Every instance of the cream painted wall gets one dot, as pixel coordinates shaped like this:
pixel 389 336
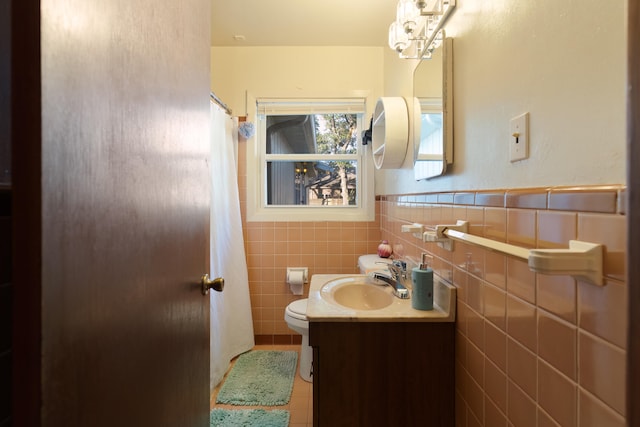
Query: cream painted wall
pixel 287 71
pixel 292 71
pixel 398 74
pixel 563 62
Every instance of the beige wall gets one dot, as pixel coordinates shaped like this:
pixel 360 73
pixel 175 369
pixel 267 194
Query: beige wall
pixel 398 74
pixel 288 71
pixel 531 349
pixel 323 247
pixel 562 62
pixel 564 65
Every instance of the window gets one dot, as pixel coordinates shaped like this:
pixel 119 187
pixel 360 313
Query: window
pixel 308 162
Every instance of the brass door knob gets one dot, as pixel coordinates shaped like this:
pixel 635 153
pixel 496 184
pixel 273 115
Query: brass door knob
pixel 216 284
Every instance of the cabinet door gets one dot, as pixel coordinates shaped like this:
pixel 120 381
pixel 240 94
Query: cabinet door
pixel 382 374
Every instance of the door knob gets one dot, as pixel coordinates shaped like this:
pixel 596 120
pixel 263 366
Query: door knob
pixel 216 284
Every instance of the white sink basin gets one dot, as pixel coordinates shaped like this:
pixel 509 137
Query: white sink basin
pixel 360 298
pixel 359 293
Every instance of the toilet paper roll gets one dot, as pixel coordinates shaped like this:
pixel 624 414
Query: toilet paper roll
pixel 296 282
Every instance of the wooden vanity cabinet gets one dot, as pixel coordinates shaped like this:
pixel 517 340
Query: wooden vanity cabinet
pixel 383 374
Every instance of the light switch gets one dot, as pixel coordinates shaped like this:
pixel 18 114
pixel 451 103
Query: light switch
pixel 519 138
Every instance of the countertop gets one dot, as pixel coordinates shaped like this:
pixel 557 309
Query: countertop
pixel 320 310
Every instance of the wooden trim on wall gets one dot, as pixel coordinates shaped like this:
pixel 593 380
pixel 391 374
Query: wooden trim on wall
pixel 633 214
pixel 26 134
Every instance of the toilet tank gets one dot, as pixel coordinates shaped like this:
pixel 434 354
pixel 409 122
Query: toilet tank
pixel 371 263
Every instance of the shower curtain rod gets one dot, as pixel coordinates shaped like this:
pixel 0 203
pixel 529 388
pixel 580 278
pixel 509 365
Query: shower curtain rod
pixel 218 101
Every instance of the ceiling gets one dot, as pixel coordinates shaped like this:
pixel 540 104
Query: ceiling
pixel 301 22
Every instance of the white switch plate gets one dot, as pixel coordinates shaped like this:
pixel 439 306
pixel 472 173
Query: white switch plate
pixel 519 138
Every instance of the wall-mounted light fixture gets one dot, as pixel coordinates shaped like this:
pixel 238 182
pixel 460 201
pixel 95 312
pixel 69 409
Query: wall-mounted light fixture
pixel 417 30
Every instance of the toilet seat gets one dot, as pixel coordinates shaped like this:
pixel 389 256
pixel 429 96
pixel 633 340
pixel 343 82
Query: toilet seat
pixel 298 309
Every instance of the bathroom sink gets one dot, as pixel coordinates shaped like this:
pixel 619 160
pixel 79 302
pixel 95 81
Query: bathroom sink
pixel 359 293
pixel 361 298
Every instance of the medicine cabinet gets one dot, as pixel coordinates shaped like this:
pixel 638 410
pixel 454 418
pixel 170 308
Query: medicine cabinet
pixel 433 135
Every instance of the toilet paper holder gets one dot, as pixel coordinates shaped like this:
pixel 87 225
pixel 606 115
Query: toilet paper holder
pixel 296 278
pixel 292 270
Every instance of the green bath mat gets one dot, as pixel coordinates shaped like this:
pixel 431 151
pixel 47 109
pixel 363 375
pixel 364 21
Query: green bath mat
pixel 248 418
pixel 260 378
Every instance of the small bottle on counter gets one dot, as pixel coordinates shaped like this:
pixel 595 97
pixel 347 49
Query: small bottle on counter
pixel 422 280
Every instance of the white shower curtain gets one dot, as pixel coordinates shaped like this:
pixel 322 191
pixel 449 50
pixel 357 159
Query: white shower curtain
pixel 231 322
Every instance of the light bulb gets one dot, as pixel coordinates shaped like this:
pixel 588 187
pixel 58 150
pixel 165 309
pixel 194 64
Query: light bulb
pixel 429 7
pixel 398 39
pixel 407 14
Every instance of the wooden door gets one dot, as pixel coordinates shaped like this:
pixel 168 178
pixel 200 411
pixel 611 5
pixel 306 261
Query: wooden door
pixel 112 212
pixel 633 215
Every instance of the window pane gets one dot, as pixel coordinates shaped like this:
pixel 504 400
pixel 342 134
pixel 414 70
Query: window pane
pixel 317 183
pixel 335 133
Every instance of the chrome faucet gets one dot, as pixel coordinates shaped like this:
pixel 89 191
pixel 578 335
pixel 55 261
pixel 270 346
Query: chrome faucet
pixel 398 270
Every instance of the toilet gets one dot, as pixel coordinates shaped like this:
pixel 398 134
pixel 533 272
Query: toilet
pixel 296 314
pixel 372 263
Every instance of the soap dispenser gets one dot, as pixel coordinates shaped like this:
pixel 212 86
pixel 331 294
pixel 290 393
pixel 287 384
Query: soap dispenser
pixel 422 280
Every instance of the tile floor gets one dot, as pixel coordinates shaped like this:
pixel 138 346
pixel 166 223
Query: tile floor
pixel 300 406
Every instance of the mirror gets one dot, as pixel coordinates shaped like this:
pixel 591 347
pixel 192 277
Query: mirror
pixel 433 88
